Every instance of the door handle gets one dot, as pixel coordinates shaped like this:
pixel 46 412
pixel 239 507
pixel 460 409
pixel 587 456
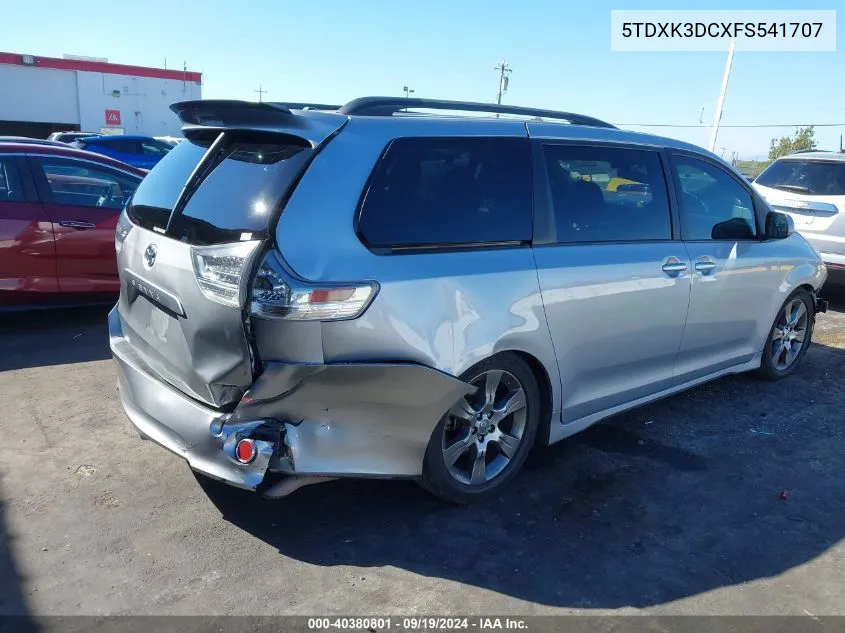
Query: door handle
pixel 77 224
pixel 704 266
pixel 674 266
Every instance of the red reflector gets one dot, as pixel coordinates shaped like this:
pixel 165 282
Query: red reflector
pixel 325 296
pixel 245 451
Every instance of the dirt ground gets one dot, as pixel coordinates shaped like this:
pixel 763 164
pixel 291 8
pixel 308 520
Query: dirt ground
pixel 728 499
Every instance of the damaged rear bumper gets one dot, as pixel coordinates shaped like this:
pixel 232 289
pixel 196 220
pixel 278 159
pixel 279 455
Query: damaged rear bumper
pixel 352 419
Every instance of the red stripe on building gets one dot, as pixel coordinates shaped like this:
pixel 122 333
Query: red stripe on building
pixel 16 59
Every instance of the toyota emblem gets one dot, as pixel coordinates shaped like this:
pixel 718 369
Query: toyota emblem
pixel 150 255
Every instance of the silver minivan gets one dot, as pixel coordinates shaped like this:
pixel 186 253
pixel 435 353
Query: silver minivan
pixel 426 289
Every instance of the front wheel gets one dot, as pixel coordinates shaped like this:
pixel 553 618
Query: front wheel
pixel 789 337
pixel 481 443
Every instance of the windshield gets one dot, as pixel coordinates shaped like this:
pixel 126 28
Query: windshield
pixel 814 177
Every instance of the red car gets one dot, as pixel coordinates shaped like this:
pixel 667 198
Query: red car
pixel 58 211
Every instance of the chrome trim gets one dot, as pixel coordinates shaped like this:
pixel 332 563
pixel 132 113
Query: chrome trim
pixel 151 291
pixel 77 224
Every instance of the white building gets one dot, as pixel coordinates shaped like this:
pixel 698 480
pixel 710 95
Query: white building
pixel 40 95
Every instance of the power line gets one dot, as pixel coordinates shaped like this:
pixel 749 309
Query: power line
pixel 747 125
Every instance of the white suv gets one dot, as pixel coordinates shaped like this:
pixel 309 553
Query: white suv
pixel 810 186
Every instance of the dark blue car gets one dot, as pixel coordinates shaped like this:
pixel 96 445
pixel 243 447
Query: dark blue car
pixel 138 151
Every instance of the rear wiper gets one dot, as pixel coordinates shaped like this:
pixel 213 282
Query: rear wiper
pixel 795 188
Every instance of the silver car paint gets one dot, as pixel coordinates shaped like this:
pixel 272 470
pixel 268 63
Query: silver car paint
pixel 178 423
pixel 600 311
pixel 365 419
pixel 202 353
pixel 487 301
pixel 613 344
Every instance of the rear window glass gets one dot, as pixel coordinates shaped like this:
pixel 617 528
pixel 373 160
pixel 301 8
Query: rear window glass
pixel 442 191
pixel 815 177
pixel 235 195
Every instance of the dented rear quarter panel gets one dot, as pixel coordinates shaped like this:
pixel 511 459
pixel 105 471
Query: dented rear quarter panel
pixel 486 301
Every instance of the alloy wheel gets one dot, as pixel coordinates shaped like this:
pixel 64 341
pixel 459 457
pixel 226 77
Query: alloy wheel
pixel 484 430
pixel 789 334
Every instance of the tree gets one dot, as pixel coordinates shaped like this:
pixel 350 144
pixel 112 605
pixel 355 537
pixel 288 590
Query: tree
pixel 804 138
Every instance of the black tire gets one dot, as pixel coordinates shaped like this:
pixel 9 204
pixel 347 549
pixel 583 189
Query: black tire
pixel 436 475
pixel 769 369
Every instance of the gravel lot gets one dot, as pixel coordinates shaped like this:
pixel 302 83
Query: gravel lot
pixel 675 508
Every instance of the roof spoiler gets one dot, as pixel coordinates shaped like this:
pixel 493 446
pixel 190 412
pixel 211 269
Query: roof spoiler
pixel 225 112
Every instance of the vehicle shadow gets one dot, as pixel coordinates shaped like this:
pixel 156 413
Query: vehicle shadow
pixel 53 337
pixel 675 499
pixel 14 610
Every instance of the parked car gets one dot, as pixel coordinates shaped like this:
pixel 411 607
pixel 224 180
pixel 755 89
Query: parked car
pixel 30 141
pixel 58 212
pixel 170 140
pixel 69 137
pixel 427 297
pixel 138 151
pixel 810 187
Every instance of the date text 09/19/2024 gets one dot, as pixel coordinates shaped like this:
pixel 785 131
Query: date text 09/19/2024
pixel 417 623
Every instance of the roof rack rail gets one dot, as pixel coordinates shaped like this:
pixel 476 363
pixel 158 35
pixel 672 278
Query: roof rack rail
pixel 388 106
pixel 306 106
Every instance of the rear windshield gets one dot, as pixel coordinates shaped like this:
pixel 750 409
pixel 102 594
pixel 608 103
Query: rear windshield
pixel 815 177
pixel 231 198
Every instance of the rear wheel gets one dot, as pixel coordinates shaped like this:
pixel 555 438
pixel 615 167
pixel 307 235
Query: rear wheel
pixel 789 337
pixel 481 443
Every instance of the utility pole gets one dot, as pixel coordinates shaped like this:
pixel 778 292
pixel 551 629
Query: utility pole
pixel 718 117
pixel 260 92
pixel 408 91
pixel 504 71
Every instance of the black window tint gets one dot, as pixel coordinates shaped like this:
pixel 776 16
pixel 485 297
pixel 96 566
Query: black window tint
pixel 713 204
pixel 81 184
pixel 440 191
pixel 815 177
pixel 125 146
pixel 238 193
pixel 607 194
pixel 11 189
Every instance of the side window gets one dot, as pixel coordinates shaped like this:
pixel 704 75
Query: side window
pixel 80 184
pixel 150 148
pixel 122 145
pixel 714 206
pixel 607 194
pixel 441 191
pixel 11 188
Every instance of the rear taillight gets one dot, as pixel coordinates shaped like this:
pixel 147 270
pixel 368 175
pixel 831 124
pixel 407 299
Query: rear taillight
pixel 219 270
pixel 278 294
pixel 124 225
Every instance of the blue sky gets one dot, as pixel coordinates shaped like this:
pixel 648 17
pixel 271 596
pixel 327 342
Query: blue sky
pixel 333 51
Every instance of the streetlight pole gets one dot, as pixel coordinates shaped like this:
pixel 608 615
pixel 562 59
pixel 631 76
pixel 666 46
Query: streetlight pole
pixel 408 91
pixel 504 71
pixel 718 117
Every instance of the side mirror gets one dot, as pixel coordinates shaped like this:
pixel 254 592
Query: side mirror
pixel 779 226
